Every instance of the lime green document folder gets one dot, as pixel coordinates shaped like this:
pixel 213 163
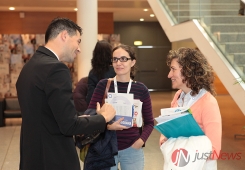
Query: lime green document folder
pixel 185 126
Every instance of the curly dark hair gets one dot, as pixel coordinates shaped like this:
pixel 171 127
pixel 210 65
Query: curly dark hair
pixel 195 69
pixel 101 60
pixel 131 53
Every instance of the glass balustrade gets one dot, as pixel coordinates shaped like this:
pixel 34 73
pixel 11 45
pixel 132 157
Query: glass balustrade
pixel 220 20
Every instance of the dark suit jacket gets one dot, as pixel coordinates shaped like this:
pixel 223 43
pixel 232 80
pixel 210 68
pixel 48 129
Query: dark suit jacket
pixel 48 116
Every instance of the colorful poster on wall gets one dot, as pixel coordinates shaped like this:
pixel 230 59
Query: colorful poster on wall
pixel 4 90
pixel 13 78
pixel 15 58
pixel 12 90
pixel 4 57
pixel 4 68
pixel 40 39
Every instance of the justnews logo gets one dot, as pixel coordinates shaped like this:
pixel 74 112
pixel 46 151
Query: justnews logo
pixel 181 157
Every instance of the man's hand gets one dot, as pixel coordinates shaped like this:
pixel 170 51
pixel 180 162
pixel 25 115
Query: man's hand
pixel 106 110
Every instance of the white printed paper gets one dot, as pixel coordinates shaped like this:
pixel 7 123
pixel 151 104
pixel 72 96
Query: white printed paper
pixel 123 104
pixel 137 118
pixel 171 111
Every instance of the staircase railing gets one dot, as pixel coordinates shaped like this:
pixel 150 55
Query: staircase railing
pixel 220 41
pixel 220 20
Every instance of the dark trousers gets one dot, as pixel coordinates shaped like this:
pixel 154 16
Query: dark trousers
pixel 241 10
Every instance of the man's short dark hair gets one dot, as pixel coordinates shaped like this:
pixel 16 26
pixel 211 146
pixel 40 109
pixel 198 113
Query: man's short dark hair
pixel 60 24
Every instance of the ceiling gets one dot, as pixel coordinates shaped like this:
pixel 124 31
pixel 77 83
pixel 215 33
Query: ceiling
pixel 123 10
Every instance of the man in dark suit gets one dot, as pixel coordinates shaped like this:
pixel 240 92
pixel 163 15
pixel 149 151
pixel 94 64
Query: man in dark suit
pixel 49 119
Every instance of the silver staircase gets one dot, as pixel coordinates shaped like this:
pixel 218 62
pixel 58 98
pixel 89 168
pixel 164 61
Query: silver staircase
pixel 216 29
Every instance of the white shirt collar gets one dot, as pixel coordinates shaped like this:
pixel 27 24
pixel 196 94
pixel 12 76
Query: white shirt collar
pixel 184 99
pixel 54 53
pixel 188 99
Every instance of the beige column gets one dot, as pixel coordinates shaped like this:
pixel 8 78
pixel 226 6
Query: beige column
pixel 87 19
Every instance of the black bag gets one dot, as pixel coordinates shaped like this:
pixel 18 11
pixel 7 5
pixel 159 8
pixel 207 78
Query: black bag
pixel 82 140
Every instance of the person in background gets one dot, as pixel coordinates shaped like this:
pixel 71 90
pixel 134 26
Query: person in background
pixel 242 8
pixel 101 66
pixel 79 95
pixel 129 140
pixel 191 73
pixel 49 118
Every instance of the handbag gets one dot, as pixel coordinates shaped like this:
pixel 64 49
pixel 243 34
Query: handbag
pixel 83 141
pixel 181 153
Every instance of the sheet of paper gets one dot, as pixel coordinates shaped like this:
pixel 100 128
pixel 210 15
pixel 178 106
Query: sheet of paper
pixel 171 111
pixel 163 119
pixel 122 103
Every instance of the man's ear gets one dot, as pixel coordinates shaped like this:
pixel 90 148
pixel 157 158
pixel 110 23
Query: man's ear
pixel 63 35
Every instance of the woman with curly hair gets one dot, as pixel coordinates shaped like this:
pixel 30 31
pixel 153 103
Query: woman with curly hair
pixel 191 73
pixel 101 66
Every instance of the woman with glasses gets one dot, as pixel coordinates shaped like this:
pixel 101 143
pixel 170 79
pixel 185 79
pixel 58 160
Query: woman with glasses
pixel 130 140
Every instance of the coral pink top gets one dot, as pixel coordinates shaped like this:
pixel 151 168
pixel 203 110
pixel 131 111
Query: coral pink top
pixel 207 114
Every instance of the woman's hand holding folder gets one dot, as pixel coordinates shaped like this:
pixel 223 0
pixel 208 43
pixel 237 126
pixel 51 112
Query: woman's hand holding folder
pixel 162 139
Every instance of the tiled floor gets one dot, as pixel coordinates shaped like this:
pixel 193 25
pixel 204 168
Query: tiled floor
pixel 232 118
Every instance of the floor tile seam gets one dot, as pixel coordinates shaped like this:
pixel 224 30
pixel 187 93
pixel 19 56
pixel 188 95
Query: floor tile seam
pixel 8 148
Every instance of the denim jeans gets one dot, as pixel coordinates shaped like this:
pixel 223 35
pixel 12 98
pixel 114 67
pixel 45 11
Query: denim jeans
pixel 130 159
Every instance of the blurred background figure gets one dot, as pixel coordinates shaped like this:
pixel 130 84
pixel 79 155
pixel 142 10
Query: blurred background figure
pixel 242 7
pixel 101 66
pixel 79 95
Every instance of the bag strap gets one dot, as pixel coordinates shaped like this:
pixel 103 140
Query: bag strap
pixel 106 91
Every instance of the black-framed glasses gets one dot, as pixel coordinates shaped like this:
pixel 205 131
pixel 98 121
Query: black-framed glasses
pixel 121 59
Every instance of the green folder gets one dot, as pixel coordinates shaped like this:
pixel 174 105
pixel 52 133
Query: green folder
pixel 185 126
